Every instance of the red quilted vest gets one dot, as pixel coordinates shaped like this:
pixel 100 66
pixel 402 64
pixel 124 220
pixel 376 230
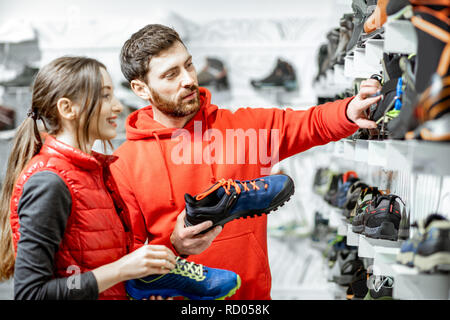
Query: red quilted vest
pixel 98 230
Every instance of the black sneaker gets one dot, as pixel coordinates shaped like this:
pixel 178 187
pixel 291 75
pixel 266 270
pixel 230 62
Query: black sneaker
pixel 25 79
pixel 231 199
pixel 7 118
pixel 283 76
pixel 214 74
pixel 364 198
pixel 382 217
pixel 380 288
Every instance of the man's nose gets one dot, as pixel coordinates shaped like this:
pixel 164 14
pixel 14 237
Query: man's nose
pixel 188 79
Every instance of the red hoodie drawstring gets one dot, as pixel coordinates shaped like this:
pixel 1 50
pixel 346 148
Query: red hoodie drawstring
pixel 172 200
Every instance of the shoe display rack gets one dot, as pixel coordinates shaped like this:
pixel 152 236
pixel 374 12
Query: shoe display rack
pixel 416 170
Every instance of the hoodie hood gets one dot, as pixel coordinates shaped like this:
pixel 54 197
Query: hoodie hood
pixel 141 125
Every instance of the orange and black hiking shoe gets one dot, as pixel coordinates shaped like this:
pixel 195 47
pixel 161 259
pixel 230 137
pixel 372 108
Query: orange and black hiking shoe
pixel 231 199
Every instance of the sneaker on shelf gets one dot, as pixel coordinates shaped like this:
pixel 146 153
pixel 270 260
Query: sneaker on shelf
pixel 433 112
pixel 187 279
pixel 230 199
pixel 348 179
pixel 382 216
pixel 359 9
pixel 282 76
pixel 433 251
pixel 24 79
pixel 353 194
pixel 357 289
pixel 380 288
pixel 409 247
pixel 214 74
pixel 331 194
pixel 348 271
pixel 364 198
pixel 322 180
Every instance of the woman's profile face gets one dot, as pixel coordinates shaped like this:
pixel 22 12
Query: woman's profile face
pixel 104 125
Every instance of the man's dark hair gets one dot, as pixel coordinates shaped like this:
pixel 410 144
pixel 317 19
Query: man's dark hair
pixel 142 46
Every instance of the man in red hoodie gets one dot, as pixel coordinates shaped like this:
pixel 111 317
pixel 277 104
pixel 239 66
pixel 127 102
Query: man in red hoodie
pixel 182 143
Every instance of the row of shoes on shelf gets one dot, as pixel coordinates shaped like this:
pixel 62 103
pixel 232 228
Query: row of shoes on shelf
pixel 283 76
pixel 353 273
pixel 382 215
pixel 415 86
pixel 372 212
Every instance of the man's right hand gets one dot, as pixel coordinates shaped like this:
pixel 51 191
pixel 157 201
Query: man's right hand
pixel 189 240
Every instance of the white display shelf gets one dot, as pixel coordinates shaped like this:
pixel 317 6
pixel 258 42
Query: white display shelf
pixel 369 247
pixel 363 67
pixel 400 37
pixel 410 284
pixel 374 52
pixel 411 156
pixel 352 237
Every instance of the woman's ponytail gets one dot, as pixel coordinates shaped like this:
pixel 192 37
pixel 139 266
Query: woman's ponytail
pixel 27 143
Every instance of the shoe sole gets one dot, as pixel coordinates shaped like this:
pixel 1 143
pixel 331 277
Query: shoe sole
pixel 385 231
pixel 279 201
pixel 406 258
pixel 439 261
pixel 140 294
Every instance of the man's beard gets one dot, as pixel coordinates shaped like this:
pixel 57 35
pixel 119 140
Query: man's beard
pixel 178 108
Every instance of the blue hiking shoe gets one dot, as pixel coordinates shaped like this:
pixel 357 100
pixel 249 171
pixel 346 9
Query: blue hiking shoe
pixel 187 279
pixel 231 199
pixel 409 247
pixel 433 251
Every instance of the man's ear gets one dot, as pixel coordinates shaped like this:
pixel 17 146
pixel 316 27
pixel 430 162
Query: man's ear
pixel 141 89
pixel 67 109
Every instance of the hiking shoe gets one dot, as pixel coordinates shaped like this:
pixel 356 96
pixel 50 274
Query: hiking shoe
pixel 348 179
pixel 382 217
pixel 231 199
pixel 409 248
pixel 380 288
pixel 348 271
pixel 283 76
pixel 331 194
pixel 214 74
pixel 25 79
pixel 322 180
pixel 365 196
pixel 357 289
pixel 353 194
pixel 187 279
pixel 433 251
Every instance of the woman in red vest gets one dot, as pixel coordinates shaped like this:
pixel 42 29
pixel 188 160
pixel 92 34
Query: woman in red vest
pixel 65 232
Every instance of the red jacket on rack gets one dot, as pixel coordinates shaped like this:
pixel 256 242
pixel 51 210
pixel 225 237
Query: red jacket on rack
pixel 96 232
pixel 158 165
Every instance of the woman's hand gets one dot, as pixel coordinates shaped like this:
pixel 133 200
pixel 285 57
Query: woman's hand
pixel 148 259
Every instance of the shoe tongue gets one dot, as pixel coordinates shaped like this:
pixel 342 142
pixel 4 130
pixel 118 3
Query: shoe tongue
pixel 432 217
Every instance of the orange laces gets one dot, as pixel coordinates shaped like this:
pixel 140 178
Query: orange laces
pixel 227 184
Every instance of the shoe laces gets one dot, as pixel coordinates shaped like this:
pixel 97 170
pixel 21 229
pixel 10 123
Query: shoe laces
pixel 189 269
pixel 227 184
